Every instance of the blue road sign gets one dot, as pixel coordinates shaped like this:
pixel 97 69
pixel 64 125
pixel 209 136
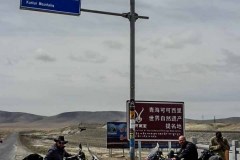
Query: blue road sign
pixel 71 7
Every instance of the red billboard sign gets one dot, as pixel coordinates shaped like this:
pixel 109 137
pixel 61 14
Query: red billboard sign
pixel 159 120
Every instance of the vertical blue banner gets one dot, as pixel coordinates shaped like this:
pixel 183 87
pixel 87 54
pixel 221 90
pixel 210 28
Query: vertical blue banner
pixel 71 7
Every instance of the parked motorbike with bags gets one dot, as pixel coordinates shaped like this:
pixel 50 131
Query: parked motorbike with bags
pixel 209 155
pixel 155 154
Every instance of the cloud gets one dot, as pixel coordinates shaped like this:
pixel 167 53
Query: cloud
pixel 178 55
pixel 209 110
pixel 141 49
pixel 97 78
pixel 120 73
pixel 10 61
pixel 113 44
pixel 45 58
pixel 5 79
pixel 89 57
pixel 230 63
pixel 174 11
pixel 231 59
pixel 179 40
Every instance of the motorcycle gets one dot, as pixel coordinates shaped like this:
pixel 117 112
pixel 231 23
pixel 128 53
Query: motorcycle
pixel 155 154
pixel 207 154
pixel 79 156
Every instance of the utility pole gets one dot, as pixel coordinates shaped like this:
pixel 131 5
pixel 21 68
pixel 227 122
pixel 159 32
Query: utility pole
pixel 132 18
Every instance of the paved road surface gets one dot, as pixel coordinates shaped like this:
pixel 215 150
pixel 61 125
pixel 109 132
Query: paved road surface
pixel 11 148
pixel 8 147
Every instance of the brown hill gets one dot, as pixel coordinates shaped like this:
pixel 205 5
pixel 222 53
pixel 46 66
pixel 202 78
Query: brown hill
pixel 19 119
pixel 232 120
pixel 15 117
pixel 86 117
pixel 26 120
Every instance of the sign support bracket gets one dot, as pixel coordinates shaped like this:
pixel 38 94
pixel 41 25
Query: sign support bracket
pixel 125 15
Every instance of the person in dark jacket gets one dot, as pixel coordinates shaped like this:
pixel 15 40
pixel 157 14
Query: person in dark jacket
pixel 57 151
pixel 188 150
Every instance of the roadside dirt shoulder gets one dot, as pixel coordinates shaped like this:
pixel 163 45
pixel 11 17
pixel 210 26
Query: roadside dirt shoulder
pixel 21 151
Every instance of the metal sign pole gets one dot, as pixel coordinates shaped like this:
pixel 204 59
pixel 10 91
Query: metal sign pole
pixel 132 79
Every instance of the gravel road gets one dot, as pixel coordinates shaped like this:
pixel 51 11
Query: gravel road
pixel 11 148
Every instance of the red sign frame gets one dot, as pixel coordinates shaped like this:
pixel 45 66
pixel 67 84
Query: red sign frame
pixel 159 120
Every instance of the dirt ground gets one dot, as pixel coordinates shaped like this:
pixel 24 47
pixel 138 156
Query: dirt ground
pixel 93 139
pixel 21 152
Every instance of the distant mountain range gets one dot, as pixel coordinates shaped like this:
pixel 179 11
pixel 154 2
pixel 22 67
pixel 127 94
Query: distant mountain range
pixel 26 119
pixel 67 117
pixel 231 120
pixel 15 117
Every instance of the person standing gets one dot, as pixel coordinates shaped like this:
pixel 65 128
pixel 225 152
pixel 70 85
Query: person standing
pixel 219 145
pixel 188 150
pixel 57 151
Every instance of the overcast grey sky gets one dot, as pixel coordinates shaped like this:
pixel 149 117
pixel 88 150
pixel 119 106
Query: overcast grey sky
pixel 187 51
